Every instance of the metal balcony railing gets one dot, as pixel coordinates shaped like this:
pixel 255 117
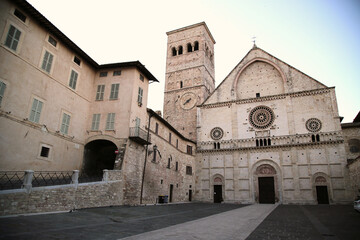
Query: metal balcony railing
pixel 139 135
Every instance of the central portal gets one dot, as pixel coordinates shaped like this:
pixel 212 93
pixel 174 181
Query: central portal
pixel 266 190
pixel 217 193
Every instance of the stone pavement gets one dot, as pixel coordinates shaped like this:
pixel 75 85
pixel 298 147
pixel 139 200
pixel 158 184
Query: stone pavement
pixel 235 224
pixel 190 221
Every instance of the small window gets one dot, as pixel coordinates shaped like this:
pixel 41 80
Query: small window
pixel 140 96
pixel 170 138
pixel 117 73
pixel 73 79
pixel 169 162
pixel 176 166
pixel 110 121
pixel 189 149
pixel 181 84
pixel 95 122
pixel 47 61
pixel 156 127
pixel 2 91
pixel 13 38
pixel 180 50
pixel 45 151
pixel 100 92
pixel 20 15
pixel 177 143
pixel 173 51
pixel 77 60
pixel 65 124
pixel 188 170
pixel 103 74
pixel 196 46
pixel 35 111
pixel 52 41
pixel 257 95
pixel 189 47
pixel 141 77
pixel 114 91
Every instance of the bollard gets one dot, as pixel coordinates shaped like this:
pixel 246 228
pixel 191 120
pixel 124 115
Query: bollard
pixel 28 180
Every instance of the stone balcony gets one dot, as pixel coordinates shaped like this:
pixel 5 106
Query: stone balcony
pixel 139 135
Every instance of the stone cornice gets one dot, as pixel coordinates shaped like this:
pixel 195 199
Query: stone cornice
pixel 269 98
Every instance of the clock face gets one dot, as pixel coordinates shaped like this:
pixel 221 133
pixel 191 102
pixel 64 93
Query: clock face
pixel 188 100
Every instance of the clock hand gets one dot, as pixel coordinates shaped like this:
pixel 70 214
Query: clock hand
pixel 187 101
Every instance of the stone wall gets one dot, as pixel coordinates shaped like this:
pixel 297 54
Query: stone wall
pixel 63 197
pixel 354 172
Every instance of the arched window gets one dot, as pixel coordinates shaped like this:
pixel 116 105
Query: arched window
pixel 196 46
pixel 174 51
pixel 214 145
pixel 180 50
pixel 317 138
pixel 257 142
pixel 181 84
pixel 269 142
pixel 265 142
pixel 261 142
pixel 218 145
pixel 189 47
pixel 313 138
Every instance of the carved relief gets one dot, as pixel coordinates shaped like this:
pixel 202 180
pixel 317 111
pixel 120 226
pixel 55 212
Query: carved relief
pixel 265 169
pixel 320 179
pixel 217 180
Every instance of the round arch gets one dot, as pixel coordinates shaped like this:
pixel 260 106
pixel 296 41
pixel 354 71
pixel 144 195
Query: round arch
pixel 258 59
pixel 99 154
pixel 266 168
pixel 321 182
pixel 217 188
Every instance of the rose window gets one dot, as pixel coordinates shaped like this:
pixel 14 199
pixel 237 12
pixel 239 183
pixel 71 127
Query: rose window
pixel 261 117
pixel 217 133
pixel 313 125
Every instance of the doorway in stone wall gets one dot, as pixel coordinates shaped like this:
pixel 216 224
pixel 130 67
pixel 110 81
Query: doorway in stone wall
pixel 266 190
pixel 171 193
pixel 322 195
pixel 190 195
pixel 217 193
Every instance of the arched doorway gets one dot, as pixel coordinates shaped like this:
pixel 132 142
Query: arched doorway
pixel 218 188
pixel 321 187
pixel 266 183
pixel 99 155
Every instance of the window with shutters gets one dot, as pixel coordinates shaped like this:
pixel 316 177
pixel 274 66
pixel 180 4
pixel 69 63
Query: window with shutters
pixel 47 61
pixel 100 92
pixel 2 91
pixel 110 121
pixel 140 96
pixel 114 91
pixel 13 38
pixel 95 122
pixel 73 79
pixel 65 123
pixel 35 111
pixel 189 149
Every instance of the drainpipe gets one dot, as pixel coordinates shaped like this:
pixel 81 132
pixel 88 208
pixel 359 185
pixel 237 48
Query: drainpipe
pixel 146 153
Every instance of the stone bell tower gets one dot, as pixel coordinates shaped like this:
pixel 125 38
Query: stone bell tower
pixel 190 75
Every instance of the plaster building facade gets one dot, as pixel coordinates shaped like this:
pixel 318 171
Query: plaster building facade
pixel 61 111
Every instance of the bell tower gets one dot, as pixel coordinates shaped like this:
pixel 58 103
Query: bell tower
pixel 190 75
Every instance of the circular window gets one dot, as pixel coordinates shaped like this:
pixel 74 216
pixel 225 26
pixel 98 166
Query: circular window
pixel 313 125
pixel 261 117
pixel 216 133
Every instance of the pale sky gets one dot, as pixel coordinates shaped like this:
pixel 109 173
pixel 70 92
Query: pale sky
pixel 318 37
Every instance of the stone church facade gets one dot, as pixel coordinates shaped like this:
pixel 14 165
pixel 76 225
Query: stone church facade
pixel 268 133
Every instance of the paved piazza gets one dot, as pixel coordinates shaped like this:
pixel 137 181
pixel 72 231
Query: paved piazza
pixel 189 221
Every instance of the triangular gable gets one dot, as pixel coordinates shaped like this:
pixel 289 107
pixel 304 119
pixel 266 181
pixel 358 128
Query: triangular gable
pixel 293 79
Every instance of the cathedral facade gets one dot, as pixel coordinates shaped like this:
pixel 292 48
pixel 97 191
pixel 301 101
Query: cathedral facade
pixel 268 133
